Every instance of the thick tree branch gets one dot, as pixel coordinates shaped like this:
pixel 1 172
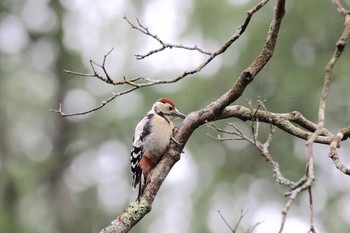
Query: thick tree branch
pixel 287 122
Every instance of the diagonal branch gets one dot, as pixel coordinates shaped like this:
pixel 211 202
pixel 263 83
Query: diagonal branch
pixel 249 74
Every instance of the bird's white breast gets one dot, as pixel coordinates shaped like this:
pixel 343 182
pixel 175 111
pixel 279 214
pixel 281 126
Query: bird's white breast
pixel 159 138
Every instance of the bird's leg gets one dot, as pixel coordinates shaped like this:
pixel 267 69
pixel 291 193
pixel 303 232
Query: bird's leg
pixel 175 129
pixel 177 142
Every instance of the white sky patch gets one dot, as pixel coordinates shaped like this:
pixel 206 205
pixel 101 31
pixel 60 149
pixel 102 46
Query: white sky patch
pixel 304 52
pixel 13 34
pixel 38 16
pixel 167 20
pixel 167 17
pixel 110 164
pixel 178 187
pixel 183 172
pixel 87 24
pixel 78 100
pixel 270 214
pixel 130 104
pixel 238 2
pixel 103 167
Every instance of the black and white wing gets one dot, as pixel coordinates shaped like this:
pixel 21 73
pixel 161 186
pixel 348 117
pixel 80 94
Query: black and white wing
pixel 141 132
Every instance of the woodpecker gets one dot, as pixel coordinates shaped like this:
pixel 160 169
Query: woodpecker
pixel 151 138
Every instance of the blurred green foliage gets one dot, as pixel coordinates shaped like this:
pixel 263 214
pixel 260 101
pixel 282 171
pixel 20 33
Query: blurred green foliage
pixel 72 174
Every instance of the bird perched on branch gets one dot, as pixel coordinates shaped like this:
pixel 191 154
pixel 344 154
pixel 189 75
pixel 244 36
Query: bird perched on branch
pixel 151 138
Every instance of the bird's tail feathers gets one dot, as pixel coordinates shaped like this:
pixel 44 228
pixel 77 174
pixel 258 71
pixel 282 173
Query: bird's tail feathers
pixel 136 178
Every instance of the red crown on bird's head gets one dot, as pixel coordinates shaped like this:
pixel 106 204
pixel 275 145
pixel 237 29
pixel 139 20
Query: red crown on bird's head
pixel 166 100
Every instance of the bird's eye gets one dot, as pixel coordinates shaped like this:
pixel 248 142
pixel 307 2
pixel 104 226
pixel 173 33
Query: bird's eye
pixel 170 108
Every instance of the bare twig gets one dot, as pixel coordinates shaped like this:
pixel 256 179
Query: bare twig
pixel 339 7
pixel 340 45
pixel 311 207
pixel 285 212
pixel 163 44
pixel 233 230
pixel 333 150
pixel 103 103
pixel 107 78
pixel 251 229
pixel 262 147
pixel 238 135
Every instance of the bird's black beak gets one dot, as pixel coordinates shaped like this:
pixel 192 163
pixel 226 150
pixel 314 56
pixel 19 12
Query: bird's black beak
pixel 179 114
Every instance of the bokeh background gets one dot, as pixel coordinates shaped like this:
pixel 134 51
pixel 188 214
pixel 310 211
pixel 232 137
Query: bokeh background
pixel 72 174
